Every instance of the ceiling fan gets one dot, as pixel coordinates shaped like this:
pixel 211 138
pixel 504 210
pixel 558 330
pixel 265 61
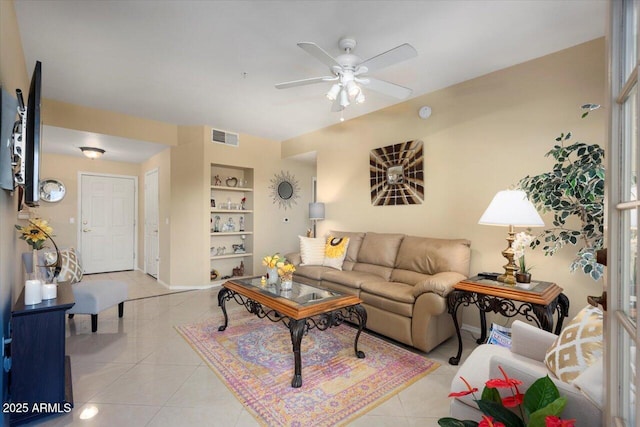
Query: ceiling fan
pixel 349 72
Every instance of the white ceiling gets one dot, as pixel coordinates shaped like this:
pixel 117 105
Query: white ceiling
pixel 184 62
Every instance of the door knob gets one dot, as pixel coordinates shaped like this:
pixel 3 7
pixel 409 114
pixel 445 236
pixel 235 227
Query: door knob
pixel 86 230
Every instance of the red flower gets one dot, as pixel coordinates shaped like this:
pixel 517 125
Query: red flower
pixel 513 401
pixel 553 421
pixel 503 383
pixel 488 422
pixel 470 390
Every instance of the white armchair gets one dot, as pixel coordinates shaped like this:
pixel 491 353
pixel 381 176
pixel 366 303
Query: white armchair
pixel 525 361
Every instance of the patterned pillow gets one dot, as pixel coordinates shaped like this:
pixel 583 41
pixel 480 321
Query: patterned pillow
pixel 71 271
pixel 311 250
pixel 578 346
pixel 335 251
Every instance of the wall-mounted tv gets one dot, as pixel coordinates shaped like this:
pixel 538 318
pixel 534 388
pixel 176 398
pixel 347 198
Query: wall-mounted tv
pixel 32 141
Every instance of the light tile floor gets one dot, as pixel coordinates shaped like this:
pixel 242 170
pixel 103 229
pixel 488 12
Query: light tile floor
pixel 138 371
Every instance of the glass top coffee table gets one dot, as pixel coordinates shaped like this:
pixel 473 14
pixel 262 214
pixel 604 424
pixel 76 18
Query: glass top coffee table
pixel 301 308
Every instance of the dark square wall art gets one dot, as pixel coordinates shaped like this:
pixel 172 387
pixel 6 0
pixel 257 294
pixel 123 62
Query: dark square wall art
pixel 397 174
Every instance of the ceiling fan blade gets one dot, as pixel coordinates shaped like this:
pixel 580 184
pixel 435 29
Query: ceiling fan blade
pixel 388 88
pixel 319 53
pixel 303 82
pixel 397 54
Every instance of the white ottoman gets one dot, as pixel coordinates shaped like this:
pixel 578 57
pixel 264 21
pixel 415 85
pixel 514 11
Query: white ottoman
pixel 93 296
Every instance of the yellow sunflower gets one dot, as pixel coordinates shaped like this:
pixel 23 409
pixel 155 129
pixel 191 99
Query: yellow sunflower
pixel 35 233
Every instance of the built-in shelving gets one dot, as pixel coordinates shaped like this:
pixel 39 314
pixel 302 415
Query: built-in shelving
pixel 240 198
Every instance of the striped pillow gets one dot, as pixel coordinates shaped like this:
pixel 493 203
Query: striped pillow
pixel 311 250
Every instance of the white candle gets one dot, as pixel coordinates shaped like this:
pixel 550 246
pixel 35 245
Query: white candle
pixel 32 292
pixel 49 291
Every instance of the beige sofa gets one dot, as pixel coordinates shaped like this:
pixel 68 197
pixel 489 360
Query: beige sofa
pixel 402 280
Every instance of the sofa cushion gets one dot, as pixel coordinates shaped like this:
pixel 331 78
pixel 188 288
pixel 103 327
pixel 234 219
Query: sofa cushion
pixel 351 279
pixel 431 256
pixel 578 346
pixel 406 276
pixel 441 284
pixel 311 250
pixel 355 241
pixel 380 249
pixel 335 251
pixel 391 290
pixel 314 272
pixel 380 271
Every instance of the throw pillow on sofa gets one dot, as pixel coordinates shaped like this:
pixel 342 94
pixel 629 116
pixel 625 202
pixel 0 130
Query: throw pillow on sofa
pixel 578 346
pixel 335 252
pixel 311 250
pixel 71 268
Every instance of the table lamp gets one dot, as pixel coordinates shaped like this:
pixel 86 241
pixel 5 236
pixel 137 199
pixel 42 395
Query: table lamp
pixel 511 208
pixel 316 213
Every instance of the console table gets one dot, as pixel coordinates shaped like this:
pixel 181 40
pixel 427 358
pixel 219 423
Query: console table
pixel 40 370
pixel 537 304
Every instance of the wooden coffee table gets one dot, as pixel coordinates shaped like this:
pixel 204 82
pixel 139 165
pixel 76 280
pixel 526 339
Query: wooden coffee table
pixel 301 308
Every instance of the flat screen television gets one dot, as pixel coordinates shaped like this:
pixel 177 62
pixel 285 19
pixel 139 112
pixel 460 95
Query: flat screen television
pixel 32 140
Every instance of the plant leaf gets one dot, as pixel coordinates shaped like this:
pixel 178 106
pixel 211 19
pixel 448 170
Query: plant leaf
pixel 537 419
pixel 452 422
pixel 490 394
pixel 500 413
pixel 541 393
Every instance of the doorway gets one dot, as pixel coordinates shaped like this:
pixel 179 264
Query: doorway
pixel 151 219
pixel 107 222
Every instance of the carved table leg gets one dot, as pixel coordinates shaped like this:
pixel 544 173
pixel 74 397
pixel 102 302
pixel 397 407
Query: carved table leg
pixel 453 304
pixel 361 313
pixel 563 304
pixel 222 298
pixel 296 328
pixel 483 326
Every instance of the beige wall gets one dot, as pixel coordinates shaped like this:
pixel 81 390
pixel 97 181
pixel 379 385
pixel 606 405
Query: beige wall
pixel 484 135
pixel 13 74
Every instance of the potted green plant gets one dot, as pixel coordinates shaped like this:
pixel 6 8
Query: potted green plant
pixel 573 188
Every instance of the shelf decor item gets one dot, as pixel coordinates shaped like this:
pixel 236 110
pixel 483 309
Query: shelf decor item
pixel 36 233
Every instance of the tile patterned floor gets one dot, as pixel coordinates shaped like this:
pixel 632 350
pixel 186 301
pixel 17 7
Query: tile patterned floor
pixel 137 371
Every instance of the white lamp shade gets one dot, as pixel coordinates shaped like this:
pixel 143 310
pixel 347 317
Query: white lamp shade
pixel 316 211
pixel 511 207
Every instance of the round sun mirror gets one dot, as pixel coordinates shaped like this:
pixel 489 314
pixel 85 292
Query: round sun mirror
pixel 285 190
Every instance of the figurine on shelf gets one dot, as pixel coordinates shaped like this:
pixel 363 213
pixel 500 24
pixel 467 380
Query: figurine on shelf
pixel 228 202
pixel 214 274
pixel 213 203
pixel 229 226
pixel 221 250
pixel 216 224
pixel 217 181
pixel 238 271
pixel 243 202
pixel 241 224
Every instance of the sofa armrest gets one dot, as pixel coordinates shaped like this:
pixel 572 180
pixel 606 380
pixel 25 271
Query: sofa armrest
pixel 294 258
pixel 530 341
pixel 439 283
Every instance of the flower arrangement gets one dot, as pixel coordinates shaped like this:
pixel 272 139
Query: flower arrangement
pixel 522 241
pixel 285 271
pixel 35 233
pixel 271 261
pixel 540 406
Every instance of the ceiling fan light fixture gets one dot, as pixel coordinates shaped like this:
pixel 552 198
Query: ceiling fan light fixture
pixel 360 98
pixel 344 98
pixel 92 152
pixel 353 89
pixel 333 92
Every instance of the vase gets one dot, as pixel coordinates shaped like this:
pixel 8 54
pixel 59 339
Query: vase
pixel 272 275
pixel 286 282
pixel 523 277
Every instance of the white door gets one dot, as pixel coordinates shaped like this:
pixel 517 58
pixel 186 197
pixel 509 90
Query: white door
pixel 623 172
pixel 151 218
pixel 107 224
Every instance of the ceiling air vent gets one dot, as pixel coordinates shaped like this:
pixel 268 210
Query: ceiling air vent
pixel 224 137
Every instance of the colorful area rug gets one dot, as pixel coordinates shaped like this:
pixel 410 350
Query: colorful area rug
pixel 255 360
